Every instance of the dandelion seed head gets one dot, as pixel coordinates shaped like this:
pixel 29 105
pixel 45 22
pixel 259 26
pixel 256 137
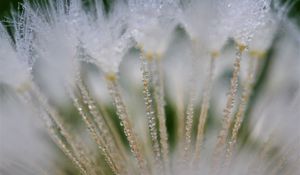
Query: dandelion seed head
pixel 188 113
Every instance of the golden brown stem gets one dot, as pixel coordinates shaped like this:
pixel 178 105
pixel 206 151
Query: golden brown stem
pixel 125 121
pixel 189 124
pixel 147 77
pixel 95 133
pixel 228 111
pixel 241 110
pixel 160 105
pixel 118 155
pixel 204 107
pixel 56 128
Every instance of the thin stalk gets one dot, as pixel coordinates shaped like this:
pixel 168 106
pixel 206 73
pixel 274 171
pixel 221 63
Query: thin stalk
pixel 263 73
pixel 190 110
pixel 117 137
pixel 122 113
pixel 205 106
pixel 228 111
pixel 114 132
pixel 189 124
pixel 67 151
pixel 96 134
pixel 64 146
pixel 147 77
pixel 55 127
pixel 161 115
pixel 180 116
pixel 99 121
pixel 247 90
pixel 87 158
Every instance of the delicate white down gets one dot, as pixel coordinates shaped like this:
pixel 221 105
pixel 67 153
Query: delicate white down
pixel 56 43
pixel 24 149
pixel 203 22
pixel 265 34
pixel 12 71
pixel 242 18
pixel 105 38
pixel 152 23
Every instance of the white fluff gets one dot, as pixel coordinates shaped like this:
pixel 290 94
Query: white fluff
pixel 242 18
pixel 13 71
pixel 152 23
pixel 105 38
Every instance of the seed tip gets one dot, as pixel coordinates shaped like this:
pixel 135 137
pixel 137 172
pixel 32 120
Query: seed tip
pixel 111 76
